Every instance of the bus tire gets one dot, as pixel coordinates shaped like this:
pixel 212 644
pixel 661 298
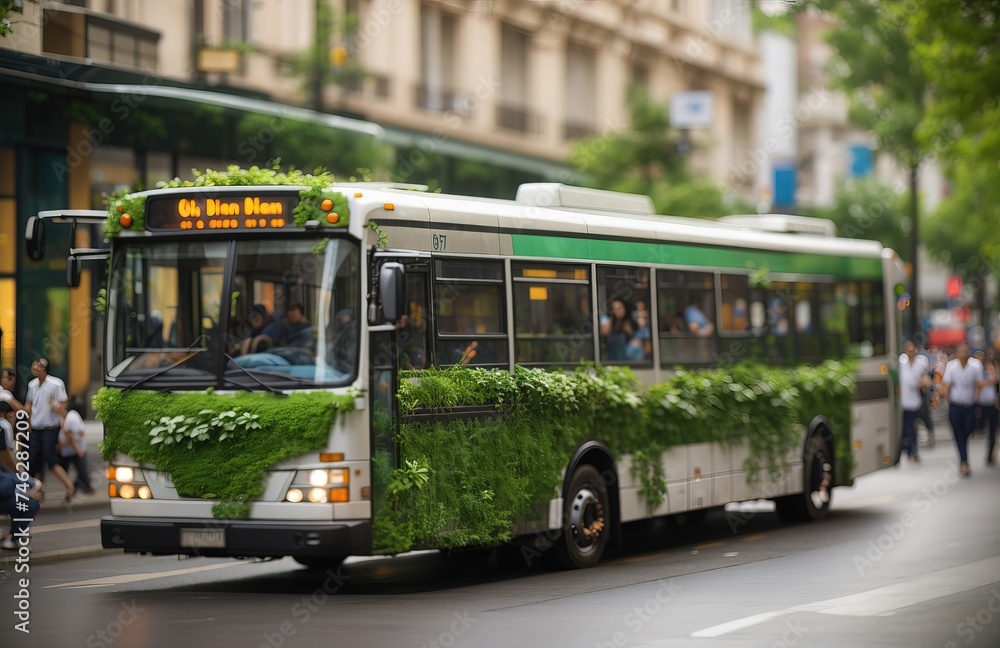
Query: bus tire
pixel 813 503
pixel 586 521
pixel 320 563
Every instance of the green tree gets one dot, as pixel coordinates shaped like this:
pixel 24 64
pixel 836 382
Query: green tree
pixel 644 158
pixel 266 139
pixel 328 59
pixel 867 209
pixel 957 45
pixel 875 64
pixel 6 8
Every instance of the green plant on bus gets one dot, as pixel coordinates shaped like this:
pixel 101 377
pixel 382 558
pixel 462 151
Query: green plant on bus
pixel 234 438
pixel 519 458
pixel 414 475
pixel 382 238
pixel 206 425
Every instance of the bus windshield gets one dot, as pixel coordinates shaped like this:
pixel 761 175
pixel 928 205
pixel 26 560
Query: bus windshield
pixel 287 318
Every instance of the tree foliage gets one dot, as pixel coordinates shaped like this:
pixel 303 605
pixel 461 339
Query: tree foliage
pixel 956 43
pixel 645 158
pixel 6 8
pixel 866 209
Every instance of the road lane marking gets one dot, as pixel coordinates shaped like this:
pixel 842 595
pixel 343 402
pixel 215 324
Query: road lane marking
pixel 863 503
pixel 883 600
pixel 65 526
pixel 738 624
pixel 135 578
pixel 923 588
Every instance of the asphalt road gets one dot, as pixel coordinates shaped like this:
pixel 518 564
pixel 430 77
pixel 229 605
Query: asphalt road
pixel 908 557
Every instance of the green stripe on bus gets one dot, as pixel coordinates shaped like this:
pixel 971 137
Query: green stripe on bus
pixel 558 247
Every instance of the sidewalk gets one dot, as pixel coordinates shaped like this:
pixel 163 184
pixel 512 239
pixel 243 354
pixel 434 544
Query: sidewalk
pixel 64 530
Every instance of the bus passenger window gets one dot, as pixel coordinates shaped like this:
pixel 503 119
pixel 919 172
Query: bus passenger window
pixel 553 320
pixel 686 310
pixel 471 325
pixel 624 317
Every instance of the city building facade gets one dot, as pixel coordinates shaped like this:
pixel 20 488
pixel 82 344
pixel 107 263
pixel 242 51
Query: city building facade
pixel 104 94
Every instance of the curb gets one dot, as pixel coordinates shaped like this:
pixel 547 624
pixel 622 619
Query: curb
pixel 56 555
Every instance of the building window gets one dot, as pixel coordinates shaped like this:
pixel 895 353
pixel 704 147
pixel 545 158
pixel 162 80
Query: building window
pixel 581 92
pixel 513 111
pixel 436 90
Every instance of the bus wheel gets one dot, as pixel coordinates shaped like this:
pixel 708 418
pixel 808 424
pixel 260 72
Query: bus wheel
pixel 586 521
pixel 320 562
pixel 817 476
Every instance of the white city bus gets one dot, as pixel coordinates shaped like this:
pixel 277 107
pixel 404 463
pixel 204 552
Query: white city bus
pixel 256 336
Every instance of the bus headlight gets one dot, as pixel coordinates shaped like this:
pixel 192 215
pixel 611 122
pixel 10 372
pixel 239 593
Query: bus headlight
pixel 318 495
pixel 124 474
pixel 318 477
pixel 127 491
pixel 144 492
pixel 293 495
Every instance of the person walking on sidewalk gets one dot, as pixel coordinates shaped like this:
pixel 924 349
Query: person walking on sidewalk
pixel 72 445
pixel 45 424
pixel 8 463
pixel 961 383
pixel 914 370
pixel 989 414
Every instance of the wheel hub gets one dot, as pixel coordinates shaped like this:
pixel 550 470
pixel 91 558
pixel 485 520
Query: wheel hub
pixel 586 518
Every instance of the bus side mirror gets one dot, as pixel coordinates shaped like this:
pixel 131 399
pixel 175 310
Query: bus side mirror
pixel 34 236
pixel 392 288
pixel 73 268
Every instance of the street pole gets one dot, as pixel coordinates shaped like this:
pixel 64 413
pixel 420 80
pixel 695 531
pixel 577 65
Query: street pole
pixel 319 52
pixel 914 244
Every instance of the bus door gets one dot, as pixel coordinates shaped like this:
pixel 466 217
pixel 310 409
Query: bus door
pixel 405 346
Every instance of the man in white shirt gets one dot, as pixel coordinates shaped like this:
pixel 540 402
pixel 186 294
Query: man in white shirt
pixel 962 379
pixel 914 375
pixel 45 424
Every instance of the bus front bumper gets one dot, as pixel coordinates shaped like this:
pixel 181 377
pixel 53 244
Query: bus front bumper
pixel 236 538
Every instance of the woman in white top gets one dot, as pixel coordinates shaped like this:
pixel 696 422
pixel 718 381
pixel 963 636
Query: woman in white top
pixel 962 380
pixel 72 445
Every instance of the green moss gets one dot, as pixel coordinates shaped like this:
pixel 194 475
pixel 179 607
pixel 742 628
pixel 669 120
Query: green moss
pixel 484 475
pixel 232 471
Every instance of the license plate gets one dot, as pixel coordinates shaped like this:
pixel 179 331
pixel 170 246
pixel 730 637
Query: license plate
pixel 203 539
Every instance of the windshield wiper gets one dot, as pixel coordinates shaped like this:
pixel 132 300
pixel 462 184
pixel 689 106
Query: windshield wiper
pixel 252 377
pixel 170 366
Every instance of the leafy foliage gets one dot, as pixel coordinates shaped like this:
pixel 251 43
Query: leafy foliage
pixel 261 430
pixel 645 158
pixel 206 425
pixel 6 7
pixel 483 475
pixel 866 209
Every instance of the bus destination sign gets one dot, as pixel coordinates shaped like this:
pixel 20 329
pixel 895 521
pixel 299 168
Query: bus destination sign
pixel 229 211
